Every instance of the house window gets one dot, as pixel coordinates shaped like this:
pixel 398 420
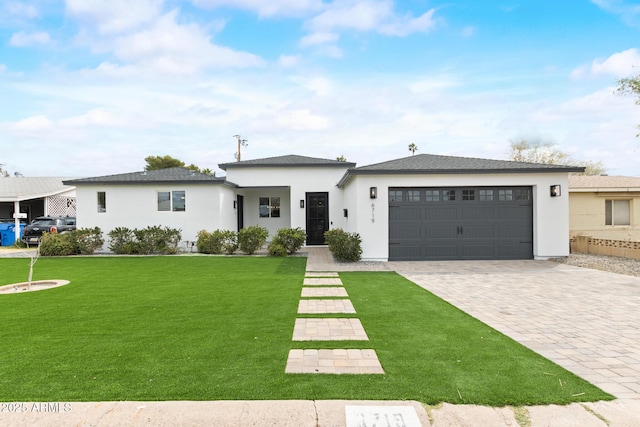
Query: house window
pixel 617 212
pixel 468 194
pixel 505 195
pixel 172 201
pixel 432 195
pixel 448 195
pixel 485 195
pixel 413 195
pixel 523 194
pixel 102 201
pixel 269 207
pixel 395 195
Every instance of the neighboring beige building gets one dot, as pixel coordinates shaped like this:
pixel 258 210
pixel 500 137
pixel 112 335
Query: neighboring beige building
pixel 604 207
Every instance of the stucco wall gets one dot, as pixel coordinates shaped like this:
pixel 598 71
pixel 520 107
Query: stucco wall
pixel 135 206
pixel 587 216
pixel 258 182
pixel 550 214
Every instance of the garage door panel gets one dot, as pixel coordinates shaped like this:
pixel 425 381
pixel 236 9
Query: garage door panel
pixel 404 232
pixel 480 212
pixel 402 213
pixel 477 251
pixel 514 251
pixel 405 252
pixel 434 213
pixel 444 232
pixel 510 212
pixel 441 252
pixel 472 223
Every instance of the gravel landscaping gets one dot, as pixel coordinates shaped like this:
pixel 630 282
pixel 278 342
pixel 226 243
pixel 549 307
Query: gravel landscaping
pixel 626 266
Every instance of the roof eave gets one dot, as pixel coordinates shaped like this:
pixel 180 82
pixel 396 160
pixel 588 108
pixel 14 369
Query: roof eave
pixel 224 166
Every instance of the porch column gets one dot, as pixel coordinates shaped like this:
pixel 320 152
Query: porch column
pixel 16 218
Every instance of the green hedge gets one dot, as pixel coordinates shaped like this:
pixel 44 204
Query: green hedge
pixel 83 241
pixel 345 247
pixel 146 241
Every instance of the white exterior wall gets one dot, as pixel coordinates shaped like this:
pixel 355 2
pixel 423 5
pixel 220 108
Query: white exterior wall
pixel 550 214
pixel 251 208
pixel 207 207
pixel 260 182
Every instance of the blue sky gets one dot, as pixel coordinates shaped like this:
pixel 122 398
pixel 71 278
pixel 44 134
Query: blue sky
pixel 92 87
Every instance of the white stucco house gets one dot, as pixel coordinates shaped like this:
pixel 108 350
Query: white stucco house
pixel 422 207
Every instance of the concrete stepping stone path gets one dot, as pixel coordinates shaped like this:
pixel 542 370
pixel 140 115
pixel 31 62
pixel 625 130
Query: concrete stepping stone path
pixel 324 306
pixel 324 292
pixel 322 281
pixel 329 361
pixel 329 329
pixel 338 361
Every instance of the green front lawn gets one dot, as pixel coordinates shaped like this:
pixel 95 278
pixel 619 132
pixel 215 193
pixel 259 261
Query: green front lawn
pixel 214 328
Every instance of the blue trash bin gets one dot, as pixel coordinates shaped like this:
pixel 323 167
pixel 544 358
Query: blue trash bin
pixel 8 233
pixel 4 234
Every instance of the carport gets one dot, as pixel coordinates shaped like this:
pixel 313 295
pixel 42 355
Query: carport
pixel 25 198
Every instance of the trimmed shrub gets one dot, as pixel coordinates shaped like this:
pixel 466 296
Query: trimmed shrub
pixel 150 240
pixel 81 241
pixel 54 244
pixel 291 239
pixel 277 249
pixel 252 238
pixel 122 241
pixel 345 247
pixel 86 240
pixel 227 239
pixel 204 242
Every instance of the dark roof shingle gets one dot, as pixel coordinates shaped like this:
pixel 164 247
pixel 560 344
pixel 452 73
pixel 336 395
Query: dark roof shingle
pixel 436 164
pixel 290 160
pixel 169 175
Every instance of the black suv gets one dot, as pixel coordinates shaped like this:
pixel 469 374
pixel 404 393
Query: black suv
pixel 51 224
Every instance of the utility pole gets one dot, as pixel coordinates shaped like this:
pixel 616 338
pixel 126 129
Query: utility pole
pixel 241 143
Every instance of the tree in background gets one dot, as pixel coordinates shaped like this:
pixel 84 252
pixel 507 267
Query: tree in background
pixel 413 148
pixel 341 158
pixel 164 162
pixel 547 153
pixel 630 86
pixel 3 173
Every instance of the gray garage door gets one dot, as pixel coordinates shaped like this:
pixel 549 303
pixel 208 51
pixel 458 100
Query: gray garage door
pixel 460 223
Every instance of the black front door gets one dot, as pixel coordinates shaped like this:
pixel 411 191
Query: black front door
pixel 317 217
pixel 240 211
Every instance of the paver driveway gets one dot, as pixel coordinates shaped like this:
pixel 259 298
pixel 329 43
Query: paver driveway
pixel 587 321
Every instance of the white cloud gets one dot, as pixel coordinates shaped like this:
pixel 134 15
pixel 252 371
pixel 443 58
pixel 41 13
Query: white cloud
pixel 20 9
pixel 33 124
pixel 114 16
pixel 171 48
pixel 620 64
pixel 22 39
pixel 319 38
pixel 3 68
pixel 370 15
pixel 267 8
pixel 288 61
pixel 301 119
pixel 629 12
pixel 92 118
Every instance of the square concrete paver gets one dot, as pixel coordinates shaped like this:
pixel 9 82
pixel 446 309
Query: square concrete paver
pixel 340 361
pixel 329 330
pixel 320 306
pixel 324 292
pixel 322 281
